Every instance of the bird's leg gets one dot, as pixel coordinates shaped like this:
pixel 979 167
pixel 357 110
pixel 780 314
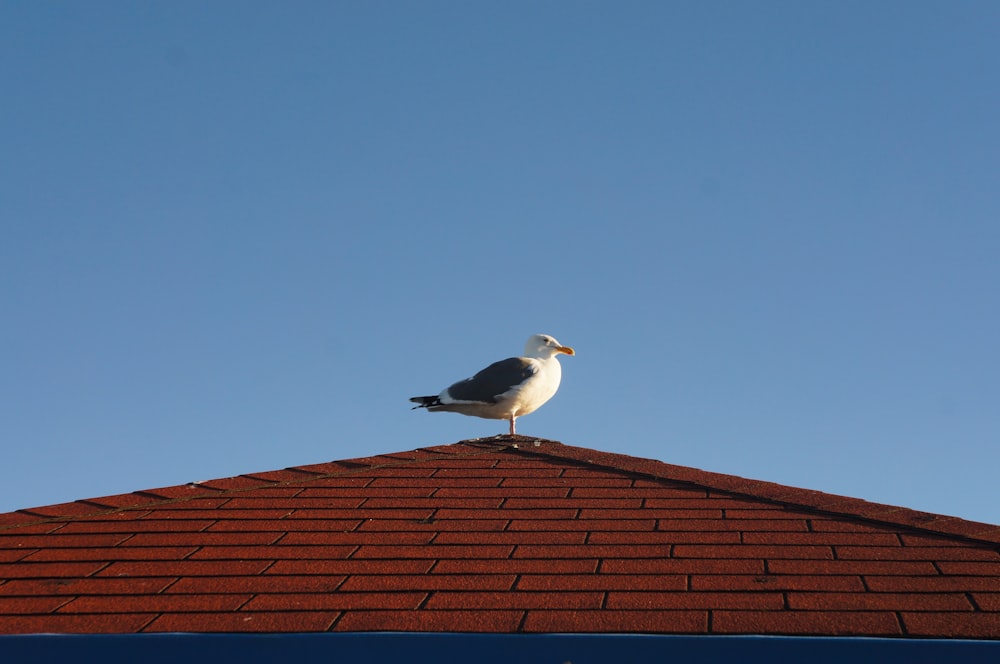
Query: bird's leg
pixel 512 418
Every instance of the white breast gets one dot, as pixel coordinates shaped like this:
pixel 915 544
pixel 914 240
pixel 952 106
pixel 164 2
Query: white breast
pixel 541 387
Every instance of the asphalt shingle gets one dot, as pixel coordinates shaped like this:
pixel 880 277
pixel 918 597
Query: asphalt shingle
pixel 502 535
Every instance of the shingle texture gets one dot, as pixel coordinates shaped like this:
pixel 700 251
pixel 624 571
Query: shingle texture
pixel 505 535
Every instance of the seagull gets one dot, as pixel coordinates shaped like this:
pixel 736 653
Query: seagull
pixel 507 389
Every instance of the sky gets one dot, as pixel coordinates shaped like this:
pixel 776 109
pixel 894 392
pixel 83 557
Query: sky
pixel 238 236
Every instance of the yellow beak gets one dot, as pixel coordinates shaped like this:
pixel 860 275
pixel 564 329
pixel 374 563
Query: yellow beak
pixel 566 349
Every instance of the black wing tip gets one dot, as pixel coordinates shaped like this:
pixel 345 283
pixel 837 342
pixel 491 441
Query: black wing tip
pixel 424 402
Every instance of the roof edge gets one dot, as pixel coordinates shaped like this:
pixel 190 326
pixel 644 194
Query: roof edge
pixel 136 500
pixel 827 503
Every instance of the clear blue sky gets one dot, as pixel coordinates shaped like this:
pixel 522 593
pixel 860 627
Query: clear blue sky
pixel 237 236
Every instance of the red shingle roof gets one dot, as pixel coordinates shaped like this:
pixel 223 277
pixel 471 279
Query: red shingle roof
pixel 497 535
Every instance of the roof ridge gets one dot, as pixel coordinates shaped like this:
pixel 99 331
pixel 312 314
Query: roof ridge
pixel 803 499
pixel 808 499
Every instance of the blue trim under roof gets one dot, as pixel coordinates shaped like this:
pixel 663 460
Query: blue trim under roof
pixel 436 648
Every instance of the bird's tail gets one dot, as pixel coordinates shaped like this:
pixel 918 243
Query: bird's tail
pixel 425 402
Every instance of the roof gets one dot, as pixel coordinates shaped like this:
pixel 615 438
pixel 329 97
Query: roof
pixel 501 535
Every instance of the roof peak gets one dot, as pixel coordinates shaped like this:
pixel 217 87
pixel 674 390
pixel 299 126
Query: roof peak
pixel 791 497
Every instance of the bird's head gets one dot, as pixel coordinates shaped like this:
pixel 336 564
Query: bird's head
pixel 544 345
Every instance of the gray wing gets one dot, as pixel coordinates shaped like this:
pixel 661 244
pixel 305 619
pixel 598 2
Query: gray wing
pixel 493 381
